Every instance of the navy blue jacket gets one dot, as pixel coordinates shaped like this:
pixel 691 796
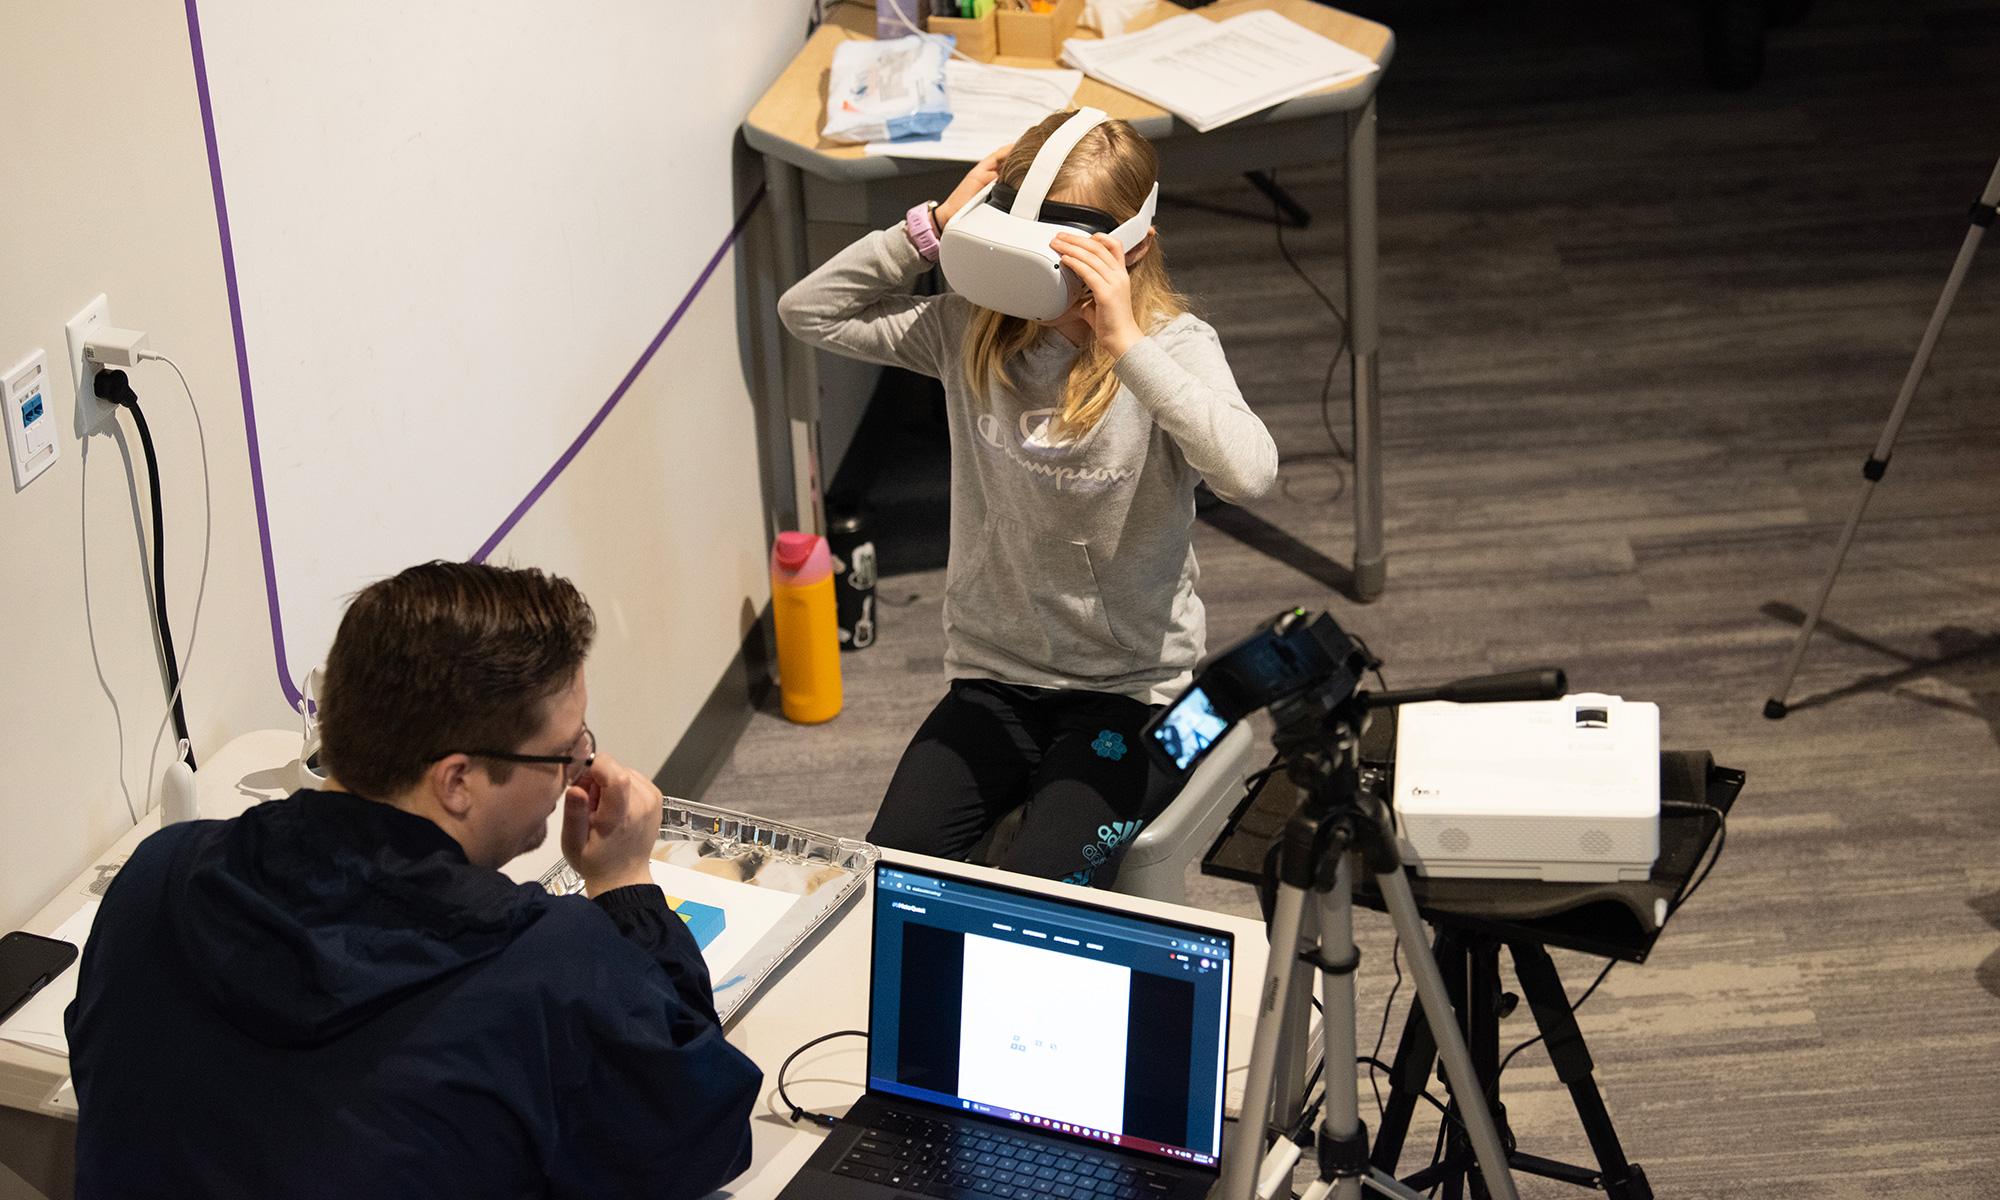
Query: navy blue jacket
pixel 323 998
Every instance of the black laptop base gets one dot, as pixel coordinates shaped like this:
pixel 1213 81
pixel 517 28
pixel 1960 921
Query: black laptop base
pixel 887 1148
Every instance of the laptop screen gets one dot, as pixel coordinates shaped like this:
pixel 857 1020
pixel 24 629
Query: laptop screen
pixel 1053 1014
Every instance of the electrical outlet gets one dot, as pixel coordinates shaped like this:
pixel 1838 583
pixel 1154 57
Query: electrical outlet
pixel 91 413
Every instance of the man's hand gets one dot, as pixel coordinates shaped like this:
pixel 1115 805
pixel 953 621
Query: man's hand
pixel 611 819
pixel 985 171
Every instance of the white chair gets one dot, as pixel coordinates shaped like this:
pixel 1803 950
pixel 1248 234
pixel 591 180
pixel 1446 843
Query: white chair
pixel 1155 864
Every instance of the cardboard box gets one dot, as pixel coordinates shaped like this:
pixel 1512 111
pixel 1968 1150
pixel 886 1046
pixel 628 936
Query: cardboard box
pixel 976 38
pixel 1027 34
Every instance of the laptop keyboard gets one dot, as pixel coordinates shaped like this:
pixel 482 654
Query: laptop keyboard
pixel 967 1162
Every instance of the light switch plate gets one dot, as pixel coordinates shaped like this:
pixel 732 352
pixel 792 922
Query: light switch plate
pixel 29 403
pixel 91 413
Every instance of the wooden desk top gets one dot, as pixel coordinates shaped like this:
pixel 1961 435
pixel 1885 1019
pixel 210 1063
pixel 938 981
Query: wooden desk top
pixel 790 113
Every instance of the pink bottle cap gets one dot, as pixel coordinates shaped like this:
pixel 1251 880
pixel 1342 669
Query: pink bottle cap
pixel 794 549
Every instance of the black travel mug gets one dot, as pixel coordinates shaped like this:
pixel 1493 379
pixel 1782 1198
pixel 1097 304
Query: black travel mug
pixel 849 537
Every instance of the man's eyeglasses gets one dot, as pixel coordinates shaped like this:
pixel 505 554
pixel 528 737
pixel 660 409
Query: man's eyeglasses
pixel 575 764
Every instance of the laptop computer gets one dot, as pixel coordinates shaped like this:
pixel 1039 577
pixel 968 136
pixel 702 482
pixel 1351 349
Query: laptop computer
pixel 1025 1047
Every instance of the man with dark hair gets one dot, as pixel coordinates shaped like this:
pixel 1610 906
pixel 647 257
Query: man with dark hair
pixel 339 994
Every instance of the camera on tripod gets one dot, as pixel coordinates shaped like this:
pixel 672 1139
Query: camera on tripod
pixel 1306 670
pixel 1302 668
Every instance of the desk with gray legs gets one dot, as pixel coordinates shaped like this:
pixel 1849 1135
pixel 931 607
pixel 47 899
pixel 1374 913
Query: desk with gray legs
pixel 823 194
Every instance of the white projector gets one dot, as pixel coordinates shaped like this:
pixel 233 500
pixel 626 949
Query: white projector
pixel 1558 790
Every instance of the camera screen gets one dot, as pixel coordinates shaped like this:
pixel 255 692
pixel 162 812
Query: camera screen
pixel 1189 728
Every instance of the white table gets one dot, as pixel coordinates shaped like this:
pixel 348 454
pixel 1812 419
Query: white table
pixel 827 989
pixel 255 767
pixel 823 990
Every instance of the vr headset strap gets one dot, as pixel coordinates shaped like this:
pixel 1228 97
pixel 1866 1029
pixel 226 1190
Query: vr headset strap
pixel 1049 160
pixel 1132 232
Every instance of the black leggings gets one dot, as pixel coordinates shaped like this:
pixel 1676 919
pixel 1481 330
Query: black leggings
pixel 1073 757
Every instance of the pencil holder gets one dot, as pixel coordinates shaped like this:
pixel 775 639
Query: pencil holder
pixel 977 37
pixel 1027 34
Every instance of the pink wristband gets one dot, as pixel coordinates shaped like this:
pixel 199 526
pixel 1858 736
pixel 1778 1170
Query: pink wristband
pixel 922 234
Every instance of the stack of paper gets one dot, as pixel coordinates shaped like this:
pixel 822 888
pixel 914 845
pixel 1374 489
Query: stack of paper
pixel 1209 73
pixel 990 107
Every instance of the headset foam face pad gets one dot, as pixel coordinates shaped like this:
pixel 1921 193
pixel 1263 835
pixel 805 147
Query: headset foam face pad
pixel 1081 217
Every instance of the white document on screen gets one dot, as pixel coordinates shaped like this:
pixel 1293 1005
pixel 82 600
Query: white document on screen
pixel 1044 1033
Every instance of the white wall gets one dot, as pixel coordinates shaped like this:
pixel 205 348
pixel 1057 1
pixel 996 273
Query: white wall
pixel 659 520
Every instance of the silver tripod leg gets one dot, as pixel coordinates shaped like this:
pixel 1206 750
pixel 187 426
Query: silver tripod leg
pixel 1340 1112
pixel 1244 1151
pixel 1878 461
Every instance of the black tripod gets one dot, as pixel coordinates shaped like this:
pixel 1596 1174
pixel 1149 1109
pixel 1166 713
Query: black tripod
pixel 1695 794
pixel 1470 964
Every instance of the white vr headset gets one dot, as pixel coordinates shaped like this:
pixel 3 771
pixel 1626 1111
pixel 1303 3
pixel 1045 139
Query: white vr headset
pixel 995 252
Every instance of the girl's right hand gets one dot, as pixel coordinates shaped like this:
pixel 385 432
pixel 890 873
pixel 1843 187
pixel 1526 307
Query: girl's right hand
pixel 985 171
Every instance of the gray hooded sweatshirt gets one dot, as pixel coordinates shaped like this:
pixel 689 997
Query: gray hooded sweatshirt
pixel 1070 564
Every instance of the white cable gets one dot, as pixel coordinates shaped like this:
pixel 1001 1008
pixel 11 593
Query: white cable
pixel 90 628
pixel 207 534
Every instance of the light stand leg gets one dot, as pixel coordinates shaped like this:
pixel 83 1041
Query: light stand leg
pixel 1451 1046
pixel 1878 462
pixel 1364 325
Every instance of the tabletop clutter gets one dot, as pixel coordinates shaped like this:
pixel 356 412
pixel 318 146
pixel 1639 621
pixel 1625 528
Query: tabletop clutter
pixel 934 92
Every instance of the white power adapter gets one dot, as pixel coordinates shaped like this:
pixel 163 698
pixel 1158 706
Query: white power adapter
pixel 105 347
pixel 177 790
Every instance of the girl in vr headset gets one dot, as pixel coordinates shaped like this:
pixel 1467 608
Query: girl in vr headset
pixel 1077 441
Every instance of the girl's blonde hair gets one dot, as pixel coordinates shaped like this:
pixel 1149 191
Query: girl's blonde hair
pixel 1112 168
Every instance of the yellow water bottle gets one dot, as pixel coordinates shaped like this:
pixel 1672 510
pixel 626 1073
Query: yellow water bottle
pixel 802 607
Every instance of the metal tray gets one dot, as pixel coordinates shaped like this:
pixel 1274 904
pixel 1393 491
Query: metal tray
pixel 820 870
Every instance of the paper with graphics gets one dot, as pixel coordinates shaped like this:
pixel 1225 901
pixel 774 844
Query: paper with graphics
pixel 747 913
pixel 990 107
pixel 751 890
pixel 1209 73
pixel 705 921
pixel 39 1022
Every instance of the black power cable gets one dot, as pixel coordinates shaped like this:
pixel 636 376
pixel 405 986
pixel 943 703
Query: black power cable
pixel 113 387
pixel 1721 837
pixel 799 1114
pixel 1341 453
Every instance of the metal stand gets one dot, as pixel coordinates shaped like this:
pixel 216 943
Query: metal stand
pixel 1878 462
pixel 1364 331
pixel 1314 858
pixel 1471 964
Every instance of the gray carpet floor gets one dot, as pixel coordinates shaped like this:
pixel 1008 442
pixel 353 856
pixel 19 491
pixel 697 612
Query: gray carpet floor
pixel 1638 337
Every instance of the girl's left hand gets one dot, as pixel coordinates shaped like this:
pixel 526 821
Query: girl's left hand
pixel 1100 262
